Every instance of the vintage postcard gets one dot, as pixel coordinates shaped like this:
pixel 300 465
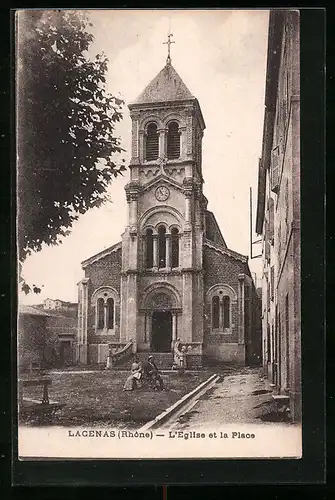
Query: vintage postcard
pixel 158 174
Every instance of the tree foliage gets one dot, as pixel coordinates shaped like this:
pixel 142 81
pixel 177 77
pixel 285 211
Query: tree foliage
pixel 66 142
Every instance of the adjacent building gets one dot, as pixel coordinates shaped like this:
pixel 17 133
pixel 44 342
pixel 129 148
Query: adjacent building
pixel 31 338
pixel 57 304
pixel 46 339
pixel 172 278
pixel 278 210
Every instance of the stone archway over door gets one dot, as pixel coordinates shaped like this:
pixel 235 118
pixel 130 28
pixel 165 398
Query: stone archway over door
pixel 161 305
pixel 161 331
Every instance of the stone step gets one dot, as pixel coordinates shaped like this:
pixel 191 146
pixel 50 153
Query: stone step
pixel 163 360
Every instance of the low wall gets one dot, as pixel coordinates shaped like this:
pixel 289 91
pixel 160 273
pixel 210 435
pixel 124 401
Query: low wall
pixel 230 353
pixel 97 354
pixel 81 354
pixel 193 361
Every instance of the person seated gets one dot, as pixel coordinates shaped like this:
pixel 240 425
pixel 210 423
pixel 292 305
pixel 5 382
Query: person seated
pixel 152 373
pixel 134 379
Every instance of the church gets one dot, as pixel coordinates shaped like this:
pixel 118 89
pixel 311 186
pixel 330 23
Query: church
pixel 172 280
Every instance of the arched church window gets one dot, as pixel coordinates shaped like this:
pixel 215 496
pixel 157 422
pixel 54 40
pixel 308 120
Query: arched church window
pixel 100 314
pixel 161 246
pixel 175 247
pixel 215 312
pixel 226 312
pixel 149 248
pixel 110 313
pixel 105 301
pixel 152 142
pixel 173 141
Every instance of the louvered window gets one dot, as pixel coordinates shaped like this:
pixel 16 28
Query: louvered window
pixel 152 141
pixel 173 141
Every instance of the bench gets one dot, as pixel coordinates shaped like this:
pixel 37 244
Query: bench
pixel 282 402
pixel 43 409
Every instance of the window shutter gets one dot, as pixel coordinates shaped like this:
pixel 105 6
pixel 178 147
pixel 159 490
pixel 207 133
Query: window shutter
pixel 267 250
pixel 266 241
pixel 272 282
pixel 275 160
pixel 271 220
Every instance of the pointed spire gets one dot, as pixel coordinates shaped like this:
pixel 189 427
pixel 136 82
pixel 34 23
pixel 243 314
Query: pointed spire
pixel 166 86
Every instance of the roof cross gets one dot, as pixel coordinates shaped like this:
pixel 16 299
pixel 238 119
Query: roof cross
pixel 168 43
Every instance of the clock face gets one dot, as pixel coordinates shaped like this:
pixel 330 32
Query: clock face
pixel 162 193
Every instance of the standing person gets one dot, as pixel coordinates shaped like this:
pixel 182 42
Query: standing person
pixel 182 359
pixel 134 379
pixel 154 372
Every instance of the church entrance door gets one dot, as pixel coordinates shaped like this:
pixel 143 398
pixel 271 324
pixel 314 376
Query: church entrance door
pixel 161 331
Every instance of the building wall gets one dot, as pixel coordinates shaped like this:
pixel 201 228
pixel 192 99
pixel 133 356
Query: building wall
pixel 105 272
pixel 242 343
pixel 281 263
pixel 31 340
pixel 185 208
pixel 60 328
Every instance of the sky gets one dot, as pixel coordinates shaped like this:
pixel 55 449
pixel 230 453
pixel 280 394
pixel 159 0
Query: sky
pixel 221 57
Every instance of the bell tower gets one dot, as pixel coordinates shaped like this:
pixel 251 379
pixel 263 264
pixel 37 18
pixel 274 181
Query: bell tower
pixel 162 244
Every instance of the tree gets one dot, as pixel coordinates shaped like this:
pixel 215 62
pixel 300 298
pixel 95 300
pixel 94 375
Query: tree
pixel 66 144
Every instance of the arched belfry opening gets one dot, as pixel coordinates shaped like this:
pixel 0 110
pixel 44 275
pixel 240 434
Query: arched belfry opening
pixel 173 141
pixel 152 142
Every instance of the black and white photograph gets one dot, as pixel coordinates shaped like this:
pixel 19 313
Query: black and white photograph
pixel 158 234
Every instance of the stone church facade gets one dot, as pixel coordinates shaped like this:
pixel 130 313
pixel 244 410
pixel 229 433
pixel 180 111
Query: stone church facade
pixel 172 279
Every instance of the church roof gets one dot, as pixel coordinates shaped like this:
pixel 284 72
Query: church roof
pixel 225 251
pixel 166 86
pixel 213 231
pixel 101 255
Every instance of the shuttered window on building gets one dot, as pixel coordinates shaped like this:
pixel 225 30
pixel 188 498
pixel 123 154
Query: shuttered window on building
pixel 272 278
pixel 271 220
pixel 275 162
pixel 152 142
pixel 173 141
pixel 266 241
